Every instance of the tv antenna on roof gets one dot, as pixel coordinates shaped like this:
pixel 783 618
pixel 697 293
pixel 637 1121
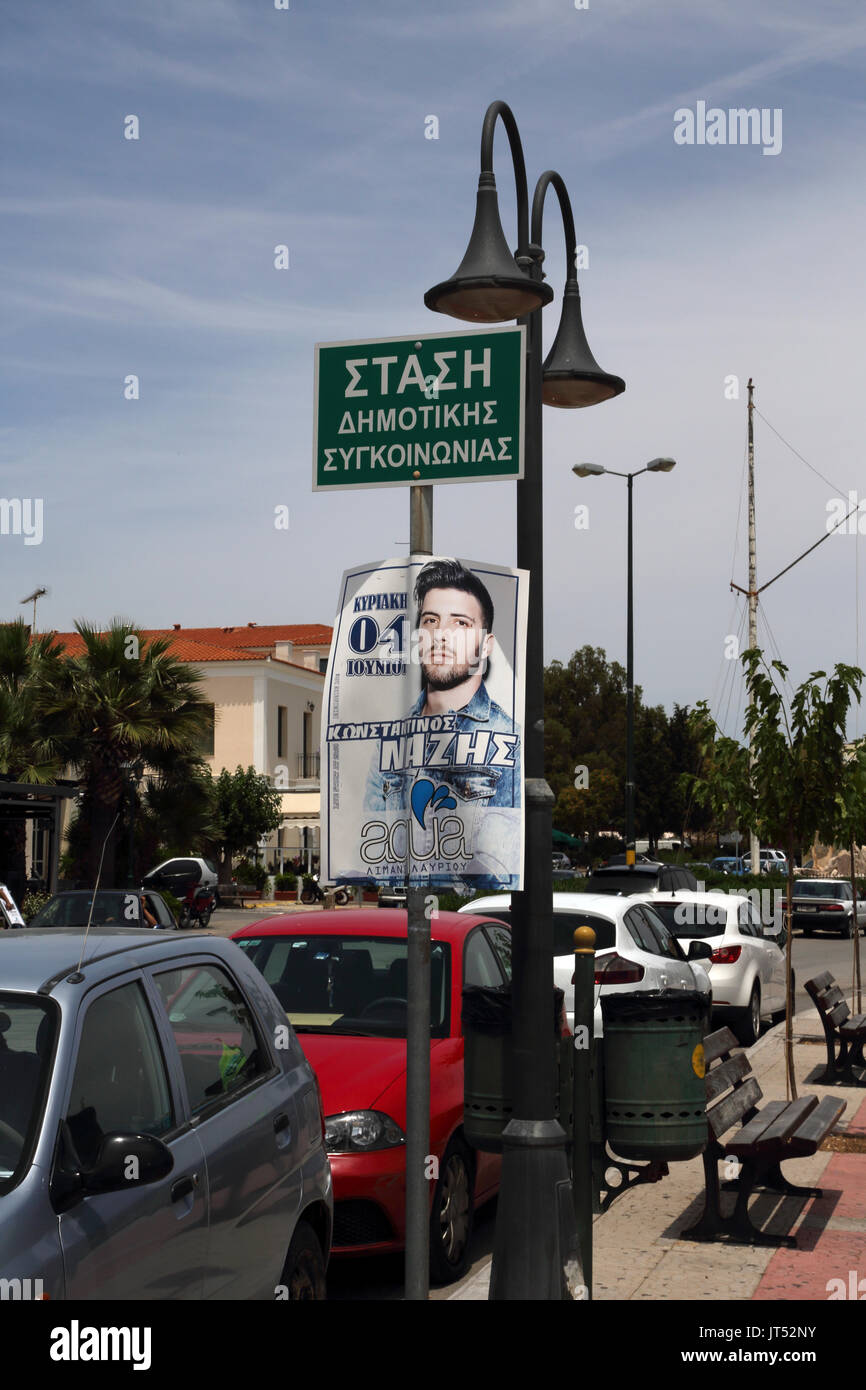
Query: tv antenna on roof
pixel 41 592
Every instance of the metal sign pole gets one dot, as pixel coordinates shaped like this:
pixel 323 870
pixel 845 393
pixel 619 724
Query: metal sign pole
pixel 418 1022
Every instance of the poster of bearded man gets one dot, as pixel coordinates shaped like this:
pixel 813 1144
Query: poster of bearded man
pixel 422 730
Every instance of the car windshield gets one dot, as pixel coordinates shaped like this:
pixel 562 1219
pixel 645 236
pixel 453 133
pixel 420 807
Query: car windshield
pixel 27 1027
pixel 820 890
pixel 348 984
pixel 73 910
pixel 692 921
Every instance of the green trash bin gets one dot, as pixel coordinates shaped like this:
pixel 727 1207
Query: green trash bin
pixel 655 1095
pixel 487 1065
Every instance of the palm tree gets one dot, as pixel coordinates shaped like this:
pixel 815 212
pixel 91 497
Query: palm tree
pixel 128 704
pixel 34 743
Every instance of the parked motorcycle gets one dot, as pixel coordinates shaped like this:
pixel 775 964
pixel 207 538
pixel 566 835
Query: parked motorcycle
pixel 313 893
pixel 197 906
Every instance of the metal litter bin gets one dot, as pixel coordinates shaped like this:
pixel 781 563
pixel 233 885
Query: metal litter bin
pixel 655 1095
pixel 487 1063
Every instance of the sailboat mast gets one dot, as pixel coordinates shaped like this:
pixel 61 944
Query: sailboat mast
pixel 754 845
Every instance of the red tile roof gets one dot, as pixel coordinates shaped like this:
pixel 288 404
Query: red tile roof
pixel 202 644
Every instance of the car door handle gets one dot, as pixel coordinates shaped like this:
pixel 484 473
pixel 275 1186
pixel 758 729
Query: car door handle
pixel 184 1187
pixel 281 1122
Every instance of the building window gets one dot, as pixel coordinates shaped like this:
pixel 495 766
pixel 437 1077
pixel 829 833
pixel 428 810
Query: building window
pixel 323 663
pixel 282 730
pixel 208 733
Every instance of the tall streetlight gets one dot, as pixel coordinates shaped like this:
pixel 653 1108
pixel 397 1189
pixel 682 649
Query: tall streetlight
pixel 592 470
pixel 535 1232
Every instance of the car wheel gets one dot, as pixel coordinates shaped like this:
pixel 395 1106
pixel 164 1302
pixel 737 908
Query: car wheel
pixel 452 1216
pixel 304 1271
pixel 845 932
pixel 747 1022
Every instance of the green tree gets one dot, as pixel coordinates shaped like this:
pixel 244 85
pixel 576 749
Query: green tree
pixel 246 807
pixel 586 810
pixel 34 739
pixel 799 757
pixel 128 704
pixel 849 829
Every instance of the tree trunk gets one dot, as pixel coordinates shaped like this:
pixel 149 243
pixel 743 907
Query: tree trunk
pixel 856 997
pixel 789 992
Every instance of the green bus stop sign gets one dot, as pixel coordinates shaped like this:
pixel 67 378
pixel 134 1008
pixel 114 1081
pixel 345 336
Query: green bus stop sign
pixel 435 408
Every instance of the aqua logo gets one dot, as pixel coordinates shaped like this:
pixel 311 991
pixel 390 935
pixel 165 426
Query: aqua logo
pixel 425 794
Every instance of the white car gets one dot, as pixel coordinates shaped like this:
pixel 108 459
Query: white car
pixel 747 967
pixel 634 949
pixel 773 861
pixel 176 874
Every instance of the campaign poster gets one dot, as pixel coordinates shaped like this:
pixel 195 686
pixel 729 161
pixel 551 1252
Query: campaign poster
pixel 422 731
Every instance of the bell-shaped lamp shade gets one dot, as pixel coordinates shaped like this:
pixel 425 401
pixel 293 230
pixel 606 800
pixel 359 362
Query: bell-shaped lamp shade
pixel 488 285
pixel 572 377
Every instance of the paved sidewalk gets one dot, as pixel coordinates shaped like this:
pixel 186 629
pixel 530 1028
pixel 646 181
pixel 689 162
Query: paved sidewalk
pixel 637 1253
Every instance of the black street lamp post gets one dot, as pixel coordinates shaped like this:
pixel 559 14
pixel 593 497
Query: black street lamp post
pixel 536 1242
pixel 591 470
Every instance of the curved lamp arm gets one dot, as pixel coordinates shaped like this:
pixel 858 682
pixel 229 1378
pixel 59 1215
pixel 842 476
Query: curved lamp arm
pixel 501 108
pixel 548 178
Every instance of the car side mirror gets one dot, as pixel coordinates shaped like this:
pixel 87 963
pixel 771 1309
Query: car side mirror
pixel 699 950
pixel 127 1160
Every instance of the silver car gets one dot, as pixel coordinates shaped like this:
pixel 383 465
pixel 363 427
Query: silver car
pixel 161 1132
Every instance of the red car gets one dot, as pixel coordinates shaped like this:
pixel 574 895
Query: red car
pixel 341 977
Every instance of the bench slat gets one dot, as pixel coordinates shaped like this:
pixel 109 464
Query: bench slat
pixel 831 997
pixel 720 1078
pixel 817 1126
pixel 726 1112
pixel 839 1014
pixel 788 1122
pixel 748 1136
pixel 822 981
pixel 718 1043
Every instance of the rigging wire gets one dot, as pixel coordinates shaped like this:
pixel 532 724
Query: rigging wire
pixel 795 451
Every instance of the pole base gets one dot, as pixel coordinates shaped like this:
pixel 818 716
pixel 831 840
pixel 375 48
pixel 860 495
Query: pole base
pixel 536 1255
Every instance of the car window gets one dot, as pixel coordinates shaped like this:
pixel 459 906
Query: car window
pixel 214 1032
pixel 668 945
pixel 640 931
pixel 479 962
pixel 745 920
pixel 500 940
pixel 120 1082
pixel 27 1028
pixel 349 984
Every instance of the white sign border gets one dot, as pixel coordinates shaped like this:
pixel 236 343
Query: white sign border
pixel 421 338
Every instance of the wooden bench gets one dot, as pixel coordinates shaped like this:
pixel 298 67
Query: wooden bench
pixel 782 1129
pixel 233 894
pixel 841 1028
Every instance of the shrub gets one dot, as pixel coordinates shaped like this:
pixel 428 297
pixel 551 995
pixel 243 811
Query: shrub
pixel 285 883
pixel 247 872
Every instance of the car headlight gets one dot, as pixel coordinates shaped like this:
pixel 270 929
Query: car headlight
pixel 361 1131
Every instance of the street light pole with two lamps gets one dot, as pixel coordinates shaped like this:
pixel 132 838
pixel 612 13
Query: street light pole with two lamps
pixel 592 470
pixel 535 1241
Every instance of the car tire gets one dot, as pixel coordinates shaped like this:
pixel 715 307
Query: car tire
pixel 846 932
pixel 747 1022
pixel 304 1271
pixel 452 1214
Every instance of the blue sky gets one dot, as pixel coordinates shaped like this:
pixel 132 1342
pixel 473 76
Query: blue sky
pixel 306 127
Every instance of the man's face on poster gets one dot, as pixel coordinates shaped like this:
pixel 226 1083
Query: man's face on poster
pixel 452 643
